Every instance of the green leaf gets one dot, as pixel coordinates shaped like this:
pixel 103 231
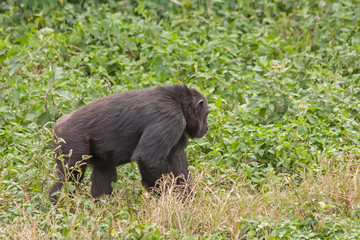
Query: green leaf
pixel 64 93
pixel 43 118
pixel 58 73
pixel 218 102
pixel 15 63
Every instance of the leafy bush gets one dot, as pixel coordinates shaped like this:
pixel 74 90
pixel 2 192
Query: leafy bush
pixel 282 78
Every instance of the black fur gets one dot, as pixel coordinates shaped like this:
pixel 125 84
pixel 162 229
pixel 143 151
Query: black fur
pixel 149 126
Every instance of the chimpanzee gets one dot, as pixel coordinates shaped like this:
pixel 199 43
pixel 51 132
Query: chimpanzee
pixel 149 126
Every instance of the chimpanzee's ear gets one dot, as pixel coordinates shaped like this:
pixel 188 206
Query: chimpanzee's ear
pixel 199 105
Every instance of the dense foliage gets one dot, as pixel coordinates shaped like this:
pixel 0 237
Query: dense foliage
pixel 282 78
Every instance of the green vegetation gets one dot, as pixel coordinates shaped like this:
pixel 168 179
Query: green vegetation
pixel 281 159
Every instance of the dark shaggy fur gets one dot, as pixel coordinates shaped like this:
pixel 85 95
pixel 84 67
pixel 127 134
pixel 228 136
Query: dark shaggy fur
pixel 148 126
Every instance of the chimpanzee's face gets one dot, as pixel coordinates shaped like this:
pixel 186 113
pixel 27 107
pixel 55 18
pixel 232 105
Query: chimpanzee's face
pixel 203 126
pixel 197 126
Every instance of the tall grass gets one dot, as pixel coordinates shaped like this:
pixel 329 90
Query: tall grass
pixel 327 191
pixel 334 188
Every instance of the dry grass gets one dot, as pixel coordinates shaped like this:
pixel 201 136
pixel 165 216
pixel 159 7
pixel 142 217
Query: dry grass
pixel 217 207
pixel 335 189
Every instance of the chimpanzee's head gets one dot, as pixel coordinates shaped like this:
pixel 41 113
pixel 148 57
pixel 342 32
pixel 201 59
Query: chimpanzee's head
pixel 196 122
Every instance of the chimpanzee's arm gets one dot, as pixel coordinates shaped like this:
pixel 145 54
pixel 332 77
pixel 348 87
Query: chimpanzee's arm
pixel 153 148
pixel 177 161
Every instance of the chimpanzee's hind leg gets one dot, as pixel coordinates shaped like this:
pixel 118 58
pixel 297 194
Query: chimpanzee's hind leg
pixel 70 162
pixel 101 179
